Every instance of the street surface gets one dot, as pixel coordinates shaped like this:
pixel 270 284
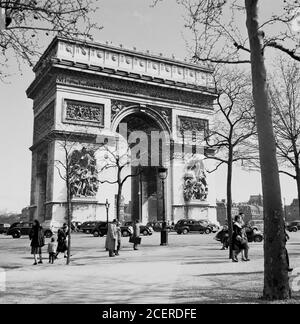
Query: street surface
pixel 191 269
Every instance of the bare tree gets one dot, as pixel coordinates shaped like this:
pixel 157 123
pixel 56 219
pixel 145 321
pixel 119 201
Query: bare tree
pixel 220 38
pixel 234 127
pixel 285 103
pixel 118 160
pixel 64 171
pixel 28 22
pixel 69 171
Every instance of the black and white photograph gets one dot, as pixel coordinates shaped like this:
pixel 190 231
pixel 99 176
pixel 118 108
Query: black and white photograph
pixel 150 155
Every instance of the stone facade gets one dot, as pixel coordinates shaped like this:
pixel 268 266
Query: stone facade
pixel 83 92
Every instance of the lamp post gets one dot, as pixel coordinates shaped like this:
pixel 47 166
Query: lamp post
pixel 163 173
pixel 107 209
pixel 140 194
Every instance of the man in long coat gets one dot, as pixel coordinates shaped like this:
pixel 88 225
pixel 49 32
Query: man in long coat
pixel 136 234
pixel 111 243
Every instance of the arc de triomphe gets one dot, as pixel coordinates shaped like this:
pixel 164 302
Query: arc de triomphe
pixel 85 91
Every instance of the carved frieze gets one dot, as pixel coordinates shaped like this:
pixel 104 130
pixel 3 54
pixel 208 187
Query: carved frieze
pixel 81 112
pixel 137 89
pixel 189 125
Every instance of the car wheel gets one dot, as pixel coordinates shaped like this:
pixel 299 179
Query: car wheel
pixel 185 231
pixel 125 233
pixel 295 229
pixel 207 231
pixel 258 239
pixel 16 235
pixel 96 234
pixel 145 233
pixel 48 234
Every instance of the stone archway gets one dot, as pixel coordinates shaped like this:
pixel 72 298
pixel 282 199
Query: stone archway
pixel 146 188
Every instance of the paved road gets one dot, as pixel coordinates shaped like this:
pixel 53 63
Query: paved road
pixel 191 269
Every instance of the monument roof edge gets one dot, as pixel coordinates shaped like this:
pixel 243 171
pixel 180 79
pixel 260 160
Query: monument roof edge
pixel 100 45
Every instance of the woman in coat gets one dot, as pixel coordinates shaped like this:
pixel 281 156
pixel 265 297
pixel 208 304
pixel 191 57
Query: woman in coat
pixel 111 242
pixel 37 241
pixel 62 240
pixel 239 243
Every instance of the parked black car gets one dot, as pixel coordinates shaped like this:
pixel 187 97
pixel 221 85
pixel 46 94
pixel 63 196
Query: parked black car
pixel 157 226
pixel 185 226
pixel 88 227
pixel 293 226
pixel 145 230
pixel 4 228
pixel 213 227
pixel 16 230
pixel 253 234
pixel 101 229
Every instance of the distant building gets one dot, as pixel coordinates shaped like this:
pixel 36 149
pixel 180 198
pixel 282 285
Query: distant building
pixel 292 211
pixel 251 211
pixel 222 212
pixel 256 200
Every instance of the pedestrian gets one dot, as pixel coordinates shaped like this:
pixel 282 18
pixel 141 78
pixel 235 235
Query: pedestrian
pixel 223 235
pixel 136 234
pixel 37 241
pixel 112 238
pixel 119 237
pixel 52 247
pixel 238 241
pixel 287 237
pixel 62 241
pixel 245 250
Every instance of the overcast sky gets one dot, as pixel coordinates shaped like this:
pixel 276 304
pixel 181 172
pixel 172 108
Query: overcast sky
pixel 128 22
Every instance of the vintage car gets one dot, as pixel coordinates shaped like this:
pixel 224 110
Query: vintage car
pixel 185 226
pixel 101 229
pixel 19 229
pixel 145 230
pixel 293 226
pixel 157 226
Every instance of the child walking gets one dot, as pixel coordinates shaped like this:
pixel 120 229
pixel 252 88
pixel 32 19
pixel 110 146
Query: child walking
pixel 52 246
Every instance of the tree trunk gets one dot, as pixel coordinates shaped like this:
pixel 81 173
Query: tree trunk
pixel 229 200
pixel 276 281
pixel 69 215
pixel 119 195
pixel 298 184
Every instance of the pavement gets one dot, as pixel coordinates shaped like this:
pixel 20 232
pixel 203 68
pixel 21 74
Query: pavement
pixel 191 269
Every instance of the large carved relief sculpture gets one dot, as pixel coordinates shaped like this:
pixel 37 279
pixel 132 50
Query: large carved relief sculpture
pixel 83 174
pixel 195 183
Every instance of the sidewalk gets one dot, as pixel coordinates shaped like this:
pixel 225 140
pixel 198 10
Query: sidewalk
pixel 154 274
